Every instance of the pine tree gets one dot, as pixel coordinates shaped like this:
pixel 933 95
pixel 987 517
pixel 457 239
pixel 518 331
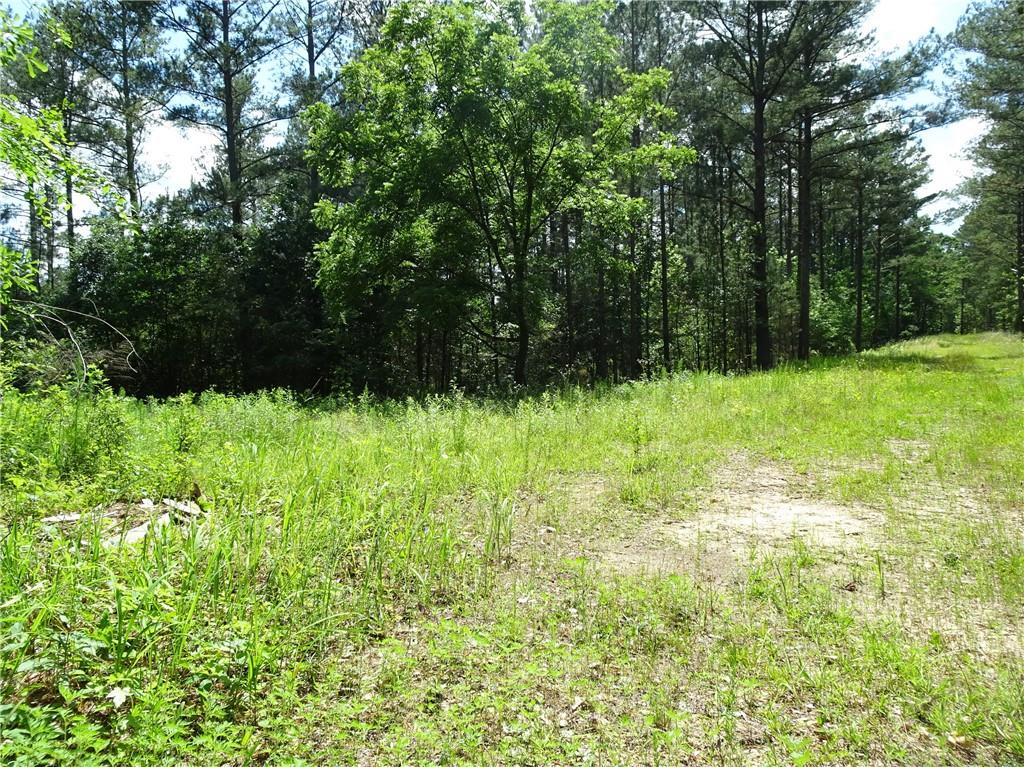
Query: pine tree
pixel 119 44
pixel 993 85
pixel 219 74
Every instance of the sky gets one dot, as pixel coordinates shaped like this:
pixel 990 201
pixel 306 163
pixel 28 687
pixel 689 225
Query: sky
pixel 897 24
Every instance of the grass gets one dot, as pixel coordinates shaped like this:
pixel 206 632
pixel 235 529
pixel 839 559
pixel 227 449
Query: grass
pixel 432 583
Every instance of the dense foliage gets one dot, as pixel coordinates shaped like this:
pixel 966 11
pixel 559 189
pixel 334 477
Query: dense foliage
pixel 821 564
pixel 465 143
pixel 490 197
pixel 33 153
pixel 992 86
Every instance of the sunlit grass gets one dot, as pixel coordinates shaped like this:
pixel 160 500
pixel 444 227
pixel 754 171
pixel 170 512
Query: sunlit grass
pixel 367 581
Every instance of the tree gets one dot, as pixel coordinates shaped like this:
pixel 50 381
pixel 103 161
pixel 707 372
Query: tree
pixel 466 134
pixel 34 149
pixel 64 89
pixel 119 44
pixel 227 42
pixel 833 94
pixel 173 290
pixel 507 198
pixel 321 33
pixel 754 53
pixel 991 85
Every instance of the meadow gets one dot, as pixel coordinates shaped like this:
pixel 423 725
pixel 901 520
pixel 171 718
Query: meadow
pixel 823 564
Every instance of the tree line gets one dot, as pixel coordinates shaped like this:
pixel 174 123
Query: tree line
pixel 990 83
pixel 413 197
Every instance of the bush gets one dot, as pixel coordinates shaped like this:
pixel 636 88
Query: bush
pixel 832 316
pixel 62 431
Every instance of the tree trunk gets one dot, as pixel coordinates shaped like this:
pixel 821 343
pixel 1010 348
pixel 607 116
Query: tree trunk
pixel 570 314
pixel 876 335
pixel 858 272
pixel 492 302
pixel 51 246
pixel 314 173
pixel 963 296
pixel 789 218
pixel 722 273
pixel 635 340
pixel 34 249
pixel 1019 320
pixel 231 122
pixel 820 242
pixel 634 332
pixel 69 188
pixel 446 360
pixel 131 163
pixel 899 286
pixel 617 351
pixel 803 268
pixel 759 267
pixel 666 340
pixel 523 327
pixel 600 347
pixel 522 351
pixel 130 144
pixel 759 270
pixel 419 350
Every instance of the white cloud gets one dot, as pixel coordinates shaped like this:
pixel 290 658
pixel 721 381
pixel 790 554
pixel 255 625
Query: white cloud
pixel 898 23
pixel 173 158
pixel 176 156
pixel 948 149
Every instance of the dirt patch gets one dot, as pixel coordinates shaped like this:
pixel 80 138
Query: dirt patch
pixel 758 501
pixel 910 450
pixel 752 505
pixel 756 508
pixel 771 519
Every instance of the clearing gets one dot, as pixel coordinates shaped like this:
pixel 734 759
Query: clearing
pixel 820 565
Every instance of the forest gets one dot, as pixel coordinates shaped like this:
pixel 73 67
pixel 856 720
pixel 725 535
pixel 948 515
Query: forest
pixel 507 383
pixel 482 198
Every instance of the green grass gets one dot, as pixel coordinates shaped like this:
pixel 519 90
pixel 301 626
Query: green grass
pixel 428 583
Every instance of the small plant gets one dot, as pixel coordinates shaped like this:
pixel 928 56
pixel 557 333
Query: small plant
pixel 184 435
pixel 63 432
pixel 498 538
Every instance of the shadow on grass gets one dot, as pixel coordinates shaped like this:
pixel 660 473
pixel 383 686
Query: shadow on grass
pixel 1017 357
pixel 955 363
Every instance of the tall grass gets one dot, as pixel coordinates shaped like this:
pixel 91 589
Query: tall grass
pixel 326 527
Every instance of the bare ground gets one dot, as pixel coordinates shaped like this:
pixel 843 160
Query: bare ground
pixel 752 505
pixel 755 508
